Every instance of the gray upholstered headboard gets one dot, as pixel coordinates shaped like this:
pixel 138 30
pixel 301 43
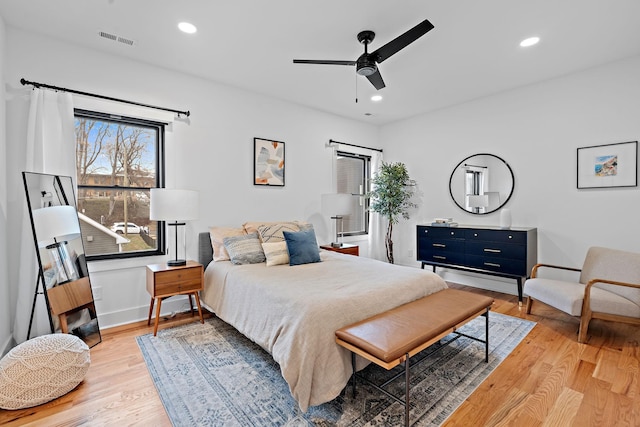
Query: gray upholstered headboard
pixel 205 250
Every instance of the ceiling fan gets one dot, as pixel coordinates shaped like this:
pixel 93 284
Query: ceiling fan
pixel 367 63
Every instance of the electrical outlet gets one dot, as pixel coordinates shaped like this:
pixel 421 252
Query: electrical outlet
pixel 410 253
pixel 97 293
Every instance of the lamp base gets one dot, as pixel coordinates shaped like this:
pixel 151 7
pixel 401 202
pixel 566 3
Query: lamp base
pixel 336 245
pixel 176 262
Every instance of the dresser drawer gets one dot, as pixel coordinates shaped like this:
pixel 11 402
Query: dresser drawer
pixel 499 265
pixel 496 249
pixel 505 236
pixel 441 232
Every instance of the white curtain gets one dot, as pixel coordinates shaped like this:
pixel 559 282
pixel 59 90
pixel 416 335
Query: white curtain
pixel 50 148
pixel 377 223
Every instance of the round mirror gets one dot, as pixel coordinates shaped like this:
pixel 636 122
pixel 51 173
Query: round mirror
pixel 481 183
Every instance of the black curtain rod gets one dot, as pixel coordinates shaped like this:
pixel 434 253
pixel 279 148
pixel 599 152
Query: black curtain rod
pixel 63 89
pixel 331 141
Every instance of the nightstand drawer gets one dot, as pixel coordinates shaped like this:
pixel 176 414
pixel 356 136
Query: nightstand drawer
pixel 174 276
pixel 178 280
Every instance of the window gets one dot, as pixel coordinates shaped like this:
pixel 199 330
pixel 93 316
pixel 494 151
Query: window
pixel 352 177
pixel 118 161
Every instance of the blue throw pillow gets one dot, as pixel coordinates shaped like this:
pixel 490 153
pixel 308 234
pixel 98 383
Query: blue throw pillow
pixel 302 247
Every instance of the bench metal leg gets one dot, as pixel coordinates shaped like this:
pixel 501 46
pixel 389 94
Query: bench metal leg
pixel 407 375
pixel 486 348
pixel 353 374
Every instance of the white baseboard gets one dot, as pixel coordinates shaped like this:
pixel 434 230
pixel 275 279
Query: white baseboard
pixel 135 314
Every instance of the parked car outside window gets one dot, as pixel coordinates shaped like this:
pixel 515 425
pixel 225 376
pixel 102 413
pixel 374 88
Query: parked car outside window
pixel 118 227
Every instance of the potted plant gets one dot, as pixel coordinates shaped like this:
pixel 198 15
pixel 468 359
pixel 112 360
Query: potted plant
pixel 390 195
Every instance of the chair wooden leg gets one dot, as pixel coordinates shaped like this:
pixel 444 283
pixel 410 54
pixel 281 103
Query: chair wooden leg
pixel 584 327
pixel 529 304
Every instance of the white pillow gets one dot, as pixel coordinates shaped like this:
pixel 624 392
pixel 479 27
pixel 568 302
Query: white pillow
pixel 276 253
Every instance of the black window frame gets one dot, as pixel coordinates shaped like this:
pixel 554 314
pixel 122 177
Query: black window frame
pixel 365 188
pixel 159 181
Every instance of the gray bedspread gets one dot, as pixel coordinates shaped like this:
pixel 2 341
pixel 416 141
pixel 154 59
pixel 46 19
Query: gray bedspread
pixel 293 312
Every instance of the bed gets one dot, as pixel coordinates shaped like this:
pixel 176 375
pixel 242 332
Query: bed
pixel 293 311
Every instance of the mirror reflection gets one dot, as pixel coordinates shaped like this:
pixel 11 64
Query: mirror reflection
pixel 481 183
pixel 63 276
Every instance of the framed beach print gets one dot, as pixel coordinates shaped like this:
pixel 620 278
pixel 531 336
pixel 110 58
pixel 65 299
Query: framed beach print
pixel 610 165
pixel 268 162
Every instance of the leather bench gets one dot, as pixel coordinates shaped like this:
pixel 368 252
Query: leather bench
pixel 393 337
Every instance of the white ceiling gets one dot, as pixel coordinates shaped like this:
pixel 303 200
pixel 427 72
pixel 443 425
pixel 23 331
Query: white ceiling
pixel 473 51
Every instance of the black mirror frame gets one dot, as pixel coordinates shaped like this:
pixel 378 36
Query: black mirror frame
pixel 513 183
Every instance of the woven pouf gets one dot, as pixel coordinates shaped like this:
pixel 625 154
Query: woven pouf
pixel 42 369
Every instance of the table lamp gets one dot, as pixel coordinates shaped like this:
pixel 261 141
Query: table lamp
pixel 338 205
pixel 174 205
pixel 477 202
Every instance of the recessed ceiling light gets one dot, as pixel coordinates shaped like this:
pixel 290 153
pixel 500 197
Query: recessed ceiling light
pixel 187 27
pixel 530 41
pixel 376 98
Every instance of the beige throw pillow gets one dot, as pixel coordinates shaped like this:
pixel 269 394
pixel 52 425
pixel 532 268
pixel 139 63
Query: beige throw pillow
pixel 217 241
pixel 276 253
pixel 273 232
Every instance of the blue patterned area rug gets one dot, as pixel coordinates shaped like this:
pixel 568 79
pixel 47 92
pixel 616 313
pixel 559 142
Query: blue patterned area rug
pixel 211 375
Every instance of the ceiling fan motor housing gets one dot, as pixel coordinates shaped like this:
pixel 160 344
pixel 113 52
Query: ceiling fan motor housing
pixel 365 66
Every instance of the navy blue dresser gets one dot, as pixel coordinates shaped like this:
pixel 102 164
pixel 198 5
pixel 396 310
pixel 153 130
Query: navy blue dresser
pixel 510 253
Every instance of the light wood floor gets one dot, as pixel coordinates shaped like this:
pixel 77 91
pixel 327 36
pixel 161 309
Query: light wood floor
pixel 548 380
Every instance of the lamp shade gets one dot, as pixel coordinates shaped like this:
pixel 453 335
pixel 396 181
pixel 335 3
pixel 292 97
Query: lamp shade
pixel 336 203
pixel 173 205
pixel 56 222
pixel 477 200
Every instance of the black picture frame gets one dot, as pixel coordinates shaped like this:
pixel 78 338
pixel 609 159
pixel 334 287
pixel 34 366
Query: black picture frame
pixel 607 165
pixel 268 162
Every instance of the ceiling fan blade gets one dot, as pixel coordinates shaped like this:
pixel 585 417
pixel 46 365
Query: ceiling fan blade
pixel 376 80
pixel 402 41
pixel 328 62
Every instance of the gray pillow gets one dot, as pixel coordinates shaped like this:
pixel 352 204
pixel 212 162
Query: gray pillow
pixel 244 249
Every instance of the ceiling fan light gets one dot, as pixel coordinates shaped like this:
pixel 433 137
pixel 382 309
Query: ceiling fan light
pixel 367 70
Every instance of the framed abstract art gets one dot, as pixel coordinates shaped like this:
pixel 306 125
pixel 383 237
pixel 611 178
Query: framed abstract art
pixel 609 165
pixel 268 162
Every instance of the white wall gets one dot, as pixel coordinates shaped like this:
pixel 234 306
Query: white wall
pixel 211 152
pixel 5 324
pixel 537 130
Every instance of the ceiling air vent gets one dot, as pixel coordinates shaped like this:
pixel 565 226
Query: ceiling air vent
pixel 116 38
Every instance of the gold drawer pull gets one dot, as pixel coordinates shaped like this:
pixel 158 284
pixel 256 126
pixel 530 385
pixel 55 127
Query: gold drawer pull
pixel 439 257
pixel 439 245
pixel 494 251
pixel 492 264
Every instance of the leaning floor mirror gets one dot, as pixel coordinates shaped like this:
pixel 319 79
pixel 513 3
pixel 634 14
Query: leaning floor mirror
pixel 63 277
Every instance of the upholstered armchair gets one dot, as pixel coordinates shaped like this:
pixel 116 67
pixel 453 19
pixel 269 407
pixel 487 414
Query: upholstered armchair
pixel 608 288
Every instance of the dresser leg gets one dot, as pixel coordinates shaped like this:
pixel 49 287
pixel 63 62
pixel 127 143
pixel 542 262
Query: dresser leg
pixel 519 291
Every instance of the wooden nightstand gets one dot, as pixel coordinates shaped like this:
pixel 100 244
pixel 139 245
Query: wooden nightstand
pixel 346 248
pixel 164 282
